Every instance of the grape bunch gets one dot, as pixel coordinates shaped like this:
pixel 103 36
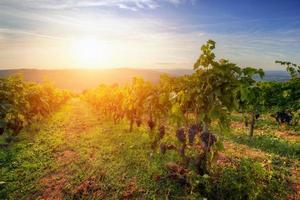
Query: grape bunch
pixel 193 130
pixel 207 139
pixel 283 117
pixel 138 122
pixel 151 124
pixel 162 131
pixel 181 135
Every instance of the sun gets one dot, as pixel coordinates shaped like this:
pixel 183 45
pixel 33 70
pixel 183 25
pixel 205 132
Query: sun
pixel 87 52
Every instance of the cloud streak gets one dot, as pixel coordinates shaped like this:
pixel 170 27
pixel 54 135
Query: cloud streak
pixel 132 5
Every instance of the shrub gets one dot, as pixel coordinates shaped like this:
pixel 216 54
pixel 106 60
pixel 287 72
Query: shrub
pixel 248 180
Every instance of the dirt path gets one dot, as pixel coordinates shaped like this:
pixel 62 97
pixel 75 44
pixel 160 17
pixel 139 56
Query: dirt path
pixel 81 121
pixel 89 162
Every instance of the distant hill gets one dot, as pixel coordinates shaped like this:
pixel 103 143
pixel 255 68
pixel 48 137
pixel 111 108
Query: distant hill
pixel 269 75
pixel 80 79
pixel 276 76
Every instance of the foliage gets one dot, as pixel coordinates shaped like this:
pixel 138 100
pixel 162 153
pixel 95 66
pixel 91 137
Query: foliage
pixel 248 180
pixel 215 85
pixel 22 102
pixel 107 100
pixel 208 95
pixel 182 113
pixel 286 95
pixel 250 96
pixel 291 68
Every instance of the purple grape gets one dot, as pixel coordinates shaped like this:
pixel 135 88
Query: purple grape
pixel 191 135
pixel 138 122
pixel 181 135
pixel 207 139
pixel 151 124
pixel 193 130
pixel 163 148
pixel 162 131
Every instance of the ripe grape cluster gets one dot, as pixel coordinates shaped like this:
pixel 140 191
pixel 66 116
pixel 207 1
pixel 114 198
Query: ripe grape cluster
pixel 181 135
pixel 162 131
pixel 151 124
pixel 138 122
pixel 283 117
pixel 207 139
pixel 193 131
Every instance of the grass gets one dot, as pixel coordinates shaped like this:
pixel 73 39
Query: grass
pixel 76 154
pixel 270 144
pixel 268 137
pixel 24 162
pixel 70 150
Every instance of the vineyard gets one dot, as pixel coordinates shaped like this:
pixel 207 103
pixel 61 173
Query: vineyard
pixel 23 103
pixel 219 133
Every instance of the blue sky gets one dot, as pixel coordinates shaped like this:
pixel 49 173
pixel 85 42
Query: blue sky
pixel 146 33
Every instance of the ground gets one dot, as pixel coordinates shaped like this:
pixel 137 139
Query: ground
pixel 77 154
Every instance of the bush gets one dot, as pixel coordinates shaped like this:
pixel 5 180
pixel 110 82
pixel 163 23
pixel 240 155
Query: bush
pixel 248 180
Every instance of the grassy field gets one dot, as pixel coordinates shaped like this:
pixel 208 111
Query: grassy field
pixel 77 154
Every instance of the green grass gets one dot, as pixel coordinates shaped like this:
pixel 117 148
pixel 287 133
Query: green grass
pixel 101 150
pixel 265 138
pixel 77 154
pixel 270 144
pixel 24 162
pixel 266 122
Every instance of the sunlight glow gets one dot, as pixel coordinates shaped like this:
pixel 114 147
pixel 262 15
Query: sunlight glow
pixel 88 52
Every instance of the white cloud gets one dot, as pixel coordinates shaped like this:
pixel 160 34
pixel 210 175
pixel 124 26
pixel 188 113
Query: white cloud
pixel 124 6
pixel 67 4
pixel 176 2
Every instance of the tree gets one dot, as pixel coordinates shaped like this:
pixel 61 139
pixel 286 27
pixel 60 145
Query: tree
pixel 288 100
pixel 215 85
pixel 135 97
pixel 158 102
pixel 210 94
pixel 250 95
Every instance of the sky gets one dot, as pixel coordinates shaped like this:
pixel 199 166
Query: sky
pixel 50 34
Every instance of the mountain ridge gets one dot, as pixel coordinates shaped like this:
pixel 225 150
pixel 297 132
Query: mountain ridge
pixel 78 80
